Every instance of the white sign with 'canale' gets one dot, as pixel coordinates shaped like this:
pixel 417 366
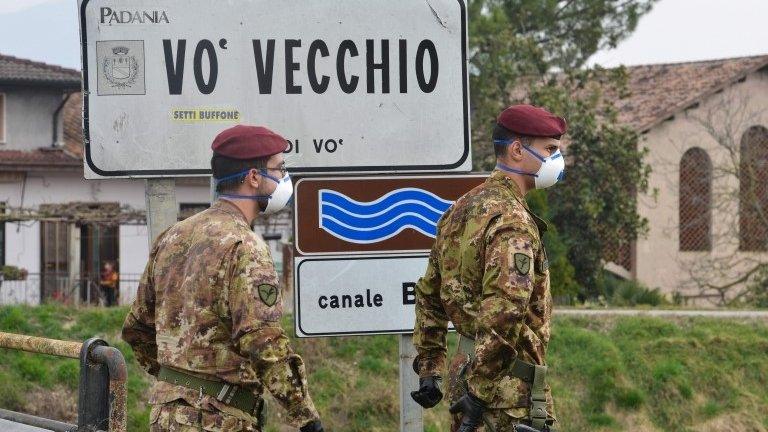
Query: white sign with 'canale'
pixel 358 295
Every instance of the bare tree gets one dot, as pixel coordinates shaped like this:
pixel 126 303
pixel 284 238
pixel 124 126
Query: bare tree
pixel 736 269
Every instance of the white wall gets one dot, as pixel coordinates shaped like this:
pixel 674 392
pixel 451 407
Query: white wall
pixel 29 121
pixel 134 251
pixel 22 245
pixel 22 248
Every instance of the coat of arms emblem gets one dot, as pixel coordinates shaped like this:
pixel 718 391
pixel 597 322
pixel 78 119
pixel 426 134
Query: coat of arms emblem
pixel 120 69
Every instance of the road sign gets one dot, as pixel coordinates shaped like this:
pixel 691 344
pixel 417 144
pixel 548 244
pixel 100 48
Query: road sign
pixel 343 295
pixel 355 85
pixel 382 214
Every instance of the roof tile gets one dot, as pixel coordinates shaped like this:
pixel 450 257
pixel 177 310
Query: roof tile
pixel 17 70
pixel 661 90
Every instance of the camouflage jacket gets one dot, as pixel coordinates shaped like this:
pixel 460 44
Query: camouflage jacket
pixel 487 274
pixel 209 304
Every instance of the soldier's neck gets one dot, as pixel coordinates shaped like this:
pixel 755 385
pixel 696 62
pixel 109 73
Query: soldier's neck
pixel 519 179
pixel 521 183
pixel 246 207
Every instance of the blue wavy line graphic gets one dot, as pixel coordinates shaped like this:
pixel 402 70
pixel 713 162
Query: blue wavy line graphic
pixel 395 197
pixel 370 222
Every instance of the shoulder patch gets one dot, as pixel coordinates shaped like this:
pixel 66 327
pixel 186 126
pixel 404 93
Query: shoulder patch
pixel 268 294
pixel 522 263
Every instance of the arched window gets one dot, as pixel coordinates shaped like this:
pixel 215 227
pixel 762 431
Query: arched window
pixel 753 190
pixel 695 204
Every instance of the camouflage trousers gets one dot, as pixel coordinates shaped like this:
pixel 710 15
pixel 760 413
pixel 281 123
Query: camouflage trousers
pixel 499 420
pixel 178 416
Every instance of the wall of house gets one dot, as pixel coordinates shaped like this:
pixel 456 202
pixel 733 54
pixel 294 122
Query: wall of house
pixel 660 263
pixel 29 117
pixel 22 245
pixel 23 239
pixel 134 252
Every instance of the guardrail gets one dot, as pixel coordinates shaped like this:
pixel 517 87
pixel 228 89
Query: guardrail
pixel 101 403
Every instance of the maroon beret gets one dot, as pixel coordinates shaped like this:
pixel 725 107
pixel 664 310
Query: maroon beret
pixel 248 142
pixel 532 121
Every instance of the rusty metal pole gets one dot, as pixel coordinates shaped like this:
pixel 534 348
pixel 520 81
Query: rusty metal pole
pixel 102 395
pixel 93 391
pixel 118 376
pixel 40 345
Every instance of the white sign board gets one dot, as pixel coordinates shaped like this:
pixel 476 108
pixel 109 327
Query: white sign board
pixel 338 296
pixel 353 85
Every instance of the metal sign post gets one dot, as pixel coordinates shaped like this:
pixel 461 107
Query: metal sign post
pixel 411 413
pixel 162 211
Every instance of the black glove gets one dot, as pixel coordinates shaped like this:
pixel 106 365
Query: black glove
pixel 472 408
pixel 428 394
pixel 313 426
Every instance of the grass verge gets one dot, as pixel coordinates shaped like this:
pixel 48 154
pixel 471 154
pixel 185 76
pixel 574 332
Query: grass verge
pixel 607 374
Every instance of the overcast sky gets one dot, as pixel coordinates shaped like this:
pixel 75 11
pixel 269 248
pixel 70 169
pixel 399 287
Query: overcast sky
pixel 675 30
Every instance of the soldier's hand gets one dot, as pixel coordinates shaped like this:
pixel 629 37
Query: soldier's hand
pixel 429 393
pixel 473 409
pixel 313 426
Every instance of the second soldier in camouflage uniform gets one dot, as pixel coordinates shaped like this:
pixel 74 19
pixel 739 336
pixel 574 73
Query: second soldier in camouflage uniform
pixel 206 319
pixel 488 275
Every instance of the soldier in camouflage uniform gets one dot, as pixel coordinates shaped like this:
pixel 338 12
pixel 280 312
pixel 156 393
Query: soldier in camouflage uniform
pixel 206 319
pixel 488 275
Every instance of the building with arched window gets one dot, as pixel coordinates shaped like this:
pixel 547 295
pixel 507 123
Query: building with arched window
pixel 695 201
pixel 705 125
pixel 753 190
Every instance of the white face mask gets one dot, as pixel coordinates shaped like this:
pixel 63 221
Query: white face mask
pixel 276 201
pixel 280 196
pixel 551 171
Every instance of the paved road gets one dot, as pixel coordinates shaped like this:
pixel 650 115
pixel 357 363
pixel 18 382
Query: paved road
pixel 744 314
pixel 7 426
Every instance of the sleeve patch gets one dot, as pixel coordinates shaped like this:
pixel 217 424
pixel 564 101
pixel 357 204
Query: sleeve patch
pixel 268 294
pixel 522 263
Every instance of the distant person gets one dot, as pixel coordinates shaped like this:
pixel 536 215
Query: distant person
pixel 108 283
pixel 488 274
pixel 206 319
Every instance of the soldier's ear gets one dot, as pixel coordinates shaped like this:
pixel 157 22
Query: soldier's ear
pixel 253 178
pixel 515 150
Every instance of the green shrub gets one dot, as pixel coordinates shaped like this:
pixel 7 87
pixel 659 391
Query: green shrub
pixel 561 273
pixel 624 293
pixel 10 272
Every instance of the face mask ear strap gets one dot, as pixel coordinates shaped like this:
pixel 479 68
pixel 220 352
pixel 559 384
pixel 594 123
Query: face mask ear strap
pixel 265 173
pixel 235 175
pixel 535 154
pixel 501 142
pixel 247 197
pixel 503 167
